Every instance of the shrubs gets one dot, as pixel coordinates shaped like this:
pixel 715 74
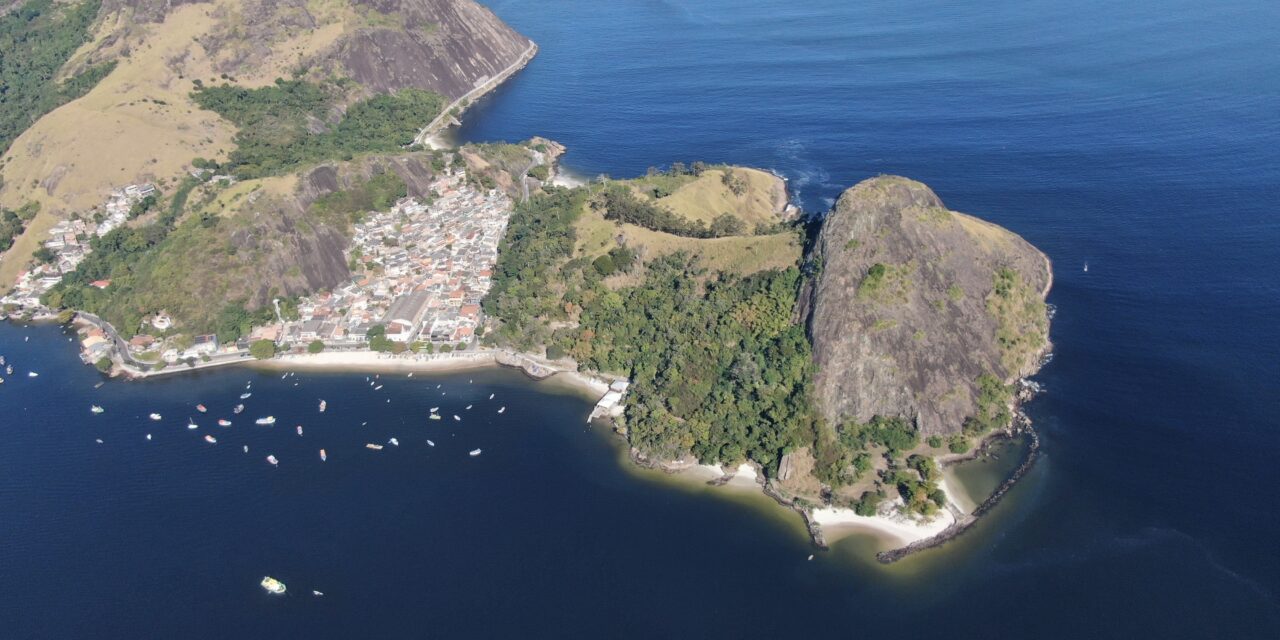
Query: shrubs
pixel 262 349
pixel 316 346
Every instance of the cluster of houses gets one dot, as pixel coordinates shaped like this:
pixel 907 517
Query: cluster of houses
pixel 423 268
pixel 69 244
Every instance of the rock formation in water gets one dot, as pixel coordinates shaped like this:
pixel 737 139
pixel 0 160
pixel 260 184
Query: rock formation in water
pixel 915 304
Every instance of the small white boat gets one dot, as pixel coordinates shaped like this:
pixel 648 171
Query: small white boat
pixel 502 409
pixel 155 416
pixel 273 586
pixel 393 442
pixel 377 387
pixel 299 429
pixel 323 456
pixel 32 374
pixel 273 461
pixel 434 416
pixel 201 408
pixel 148 436
pixel 98 440
pixel 284 376
pixel 491 396
pixel 238 409
pixel 192 425
pixel 269 420
pixel 245 396
pixel 375 447
pixel 434 409
pixel 246 448
pixel 96 409
pixel 475 452
pixel 455 417
pixel 211 440
pixel 430 443
pixel 224 423
pixel 437 386
pixel 469 407
pixel 323 405
pixel 410 374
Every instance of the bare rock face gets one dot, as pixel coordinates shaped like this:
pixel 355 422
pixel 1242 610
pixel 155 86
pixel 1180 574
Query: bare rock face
pixel 914 303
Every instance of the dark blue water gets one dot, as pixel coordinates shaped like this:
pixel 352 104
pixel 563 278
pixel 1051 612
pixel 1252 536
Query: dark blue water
pixel 1141 137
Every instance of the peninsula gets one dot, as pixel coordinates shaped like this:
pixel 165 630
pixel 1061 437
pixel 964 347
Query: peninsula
pixel 275 194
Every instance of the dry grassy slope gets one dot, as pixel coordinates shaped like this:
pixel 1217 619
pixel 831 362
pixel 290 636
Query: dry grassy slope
pixel 914 345
pixel 140 124
pixel 705 197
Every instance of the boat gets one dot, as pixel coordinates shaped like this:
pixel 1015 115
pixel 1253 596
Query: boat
pixel 1086 267
pixel 224 423
pixel 323 456
pixel 273 586
pixel 269 420
pixel 475 452
pixel 9 370
pixel 246 448
pixel 393 442
pixel 192 425
pixel 377 387
pixel 323 405
pixel 211 440
pixel 410 374
pixel 99 385
pixel 375 447
pixel 455 417
pixel 148 436
pixel 502 409
pixel 434 409
pixel 430 443
pixel 155 416
pixel 238 409
pixel 317 594
pixel 96 409
pixel 272 460
pixel 284 376
pixel 201 408
pixel 491 396
pixel 98 440
pixel 434 416
pixel 245 396
pixel 299 429
pixel 32 374
pixel 469 407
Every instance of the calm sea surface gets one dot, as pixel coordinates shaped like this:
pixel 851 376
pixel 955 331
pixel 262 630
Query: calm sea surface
pixel 1142 138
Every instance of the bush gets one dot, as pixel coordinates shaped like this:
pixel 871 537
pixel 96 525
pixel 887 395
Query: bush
pixel 316 346
pixel 935 441
pixel 555 352
pixel 262 349
pixel 958 444
pixel 103 364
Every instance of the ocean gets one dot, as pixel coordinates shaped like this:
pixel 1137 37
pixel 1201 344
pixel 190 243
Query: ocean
pixel 1141 139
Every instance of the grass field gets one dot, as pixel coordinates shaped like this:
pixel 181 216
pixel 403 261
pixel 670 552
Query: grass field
pixel 738 254
pixel 707 196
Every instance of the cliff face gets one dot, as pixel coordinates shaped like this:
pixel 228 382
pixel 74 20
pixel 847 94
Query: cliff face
pixel 914 303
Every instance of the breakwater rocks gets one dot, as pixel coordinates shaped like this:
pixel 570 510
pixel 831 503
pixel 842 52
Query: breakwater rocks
pixel 530 367
pixel 963 524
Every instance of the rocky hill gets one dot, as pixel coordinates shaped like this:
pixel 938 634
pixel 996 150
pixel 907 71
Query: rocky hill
pixel 914 306
pixel 141 123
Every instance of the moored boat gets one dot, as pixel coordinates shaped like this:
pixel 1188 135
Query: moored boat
pixel 96 409
pixel 393 442
pixel 502 409
pixel 430 443
pixel 245 396
pixel 434 416
pixel 238 409
pixel 155 416
pixel 323 406
pixel 323 456
pixel 224 423
pixel 475 452
pixel 32 374
pixel 192 425
pixel 299 429
pixel 375 447
pixel 272 459
pixel 273 586
pixel 211 440
pixel 269 420
pixel 201 408
pixel 455 417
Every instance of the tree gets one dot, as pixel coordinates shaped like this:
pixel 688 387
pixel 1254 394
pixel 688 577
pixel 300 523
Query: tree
pixel 103 364
pixel 316 346
pixel 263 349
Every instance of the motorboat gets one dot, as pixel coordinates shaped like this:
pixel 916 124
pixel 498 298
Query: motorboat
pixel 430 443
pixel 96 409
pixel 245 396
pixel 299 429
pixel 375 447
pixel 273 586
pixel 273 461
pixel 502 409
pixel 323 405
pixel 475 452
pixel 323 456
pixel 155 416
pixel 434 416
pixel 192 425
pixel 393 442
pixel 238 409
pixel 201 408
pixel 224 423
pixel 211 440
pixel 269 420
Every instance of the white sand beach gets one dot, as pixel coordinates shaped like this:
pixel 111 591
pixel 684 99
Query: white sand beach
pixel 837 523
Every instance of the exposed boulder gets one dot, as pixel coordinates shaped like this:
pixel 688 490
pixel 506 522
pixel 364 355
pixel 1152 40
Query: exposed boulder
pixel 914 303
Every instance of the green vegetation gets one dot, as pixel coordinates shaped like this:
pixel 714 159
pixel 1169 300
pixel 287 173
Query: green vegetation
pixel 935 441
pixel 620 204
pixel 377 193
pixel 886 283
pixel 36 40
pixel 103 364
pixel 1020 312
pixel 316 346
pixel 263 349
pixel 12 223
pixel 277 124
pixel 717 367
pixel 869 502
pixel 993 406
pixel 958 444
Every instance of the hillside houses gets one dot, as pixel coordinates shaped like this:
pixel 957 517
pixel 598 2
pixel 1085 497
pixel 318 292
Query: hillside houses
pixel 425 268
